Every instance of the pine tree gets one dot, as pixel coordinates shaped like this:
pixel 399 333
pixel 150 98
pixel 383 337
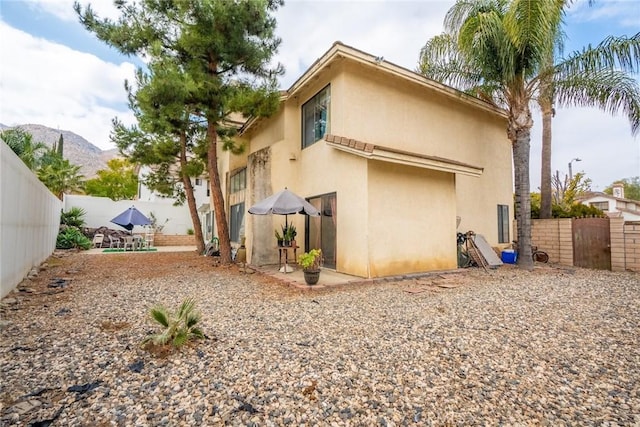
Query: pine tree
pixel 216 54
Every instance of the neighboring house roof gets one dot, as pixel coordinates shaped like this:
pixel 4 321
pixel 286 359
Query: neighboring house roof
pixel 631 211
pixel 386 154
pixel 618 211
pixel 340 51
pixel 594 194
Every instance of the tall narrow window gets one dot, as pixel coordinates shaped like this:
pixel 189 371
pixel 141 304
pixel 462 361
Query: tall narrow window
pixel 237 184
pixel 239 180
pixel 316 117
pixel 503 224
pixel 236 218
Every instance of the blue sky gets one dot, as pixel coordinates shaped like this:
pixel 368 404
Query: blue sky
pixel 55 73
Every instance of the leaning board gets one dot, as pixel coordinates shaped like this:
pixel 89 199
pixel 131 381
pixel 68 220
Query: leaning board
pixel 487 251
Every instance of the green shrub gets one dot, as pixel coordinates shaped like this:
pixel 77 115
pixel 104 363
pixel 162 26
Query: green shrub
pixel 72 237
pixel 179 327
pixel 74 217
pixel 310 261
pixel 576 210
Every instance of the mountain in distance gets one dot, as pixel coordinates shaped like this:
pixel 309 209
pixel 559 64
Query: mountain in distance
pixel 77 150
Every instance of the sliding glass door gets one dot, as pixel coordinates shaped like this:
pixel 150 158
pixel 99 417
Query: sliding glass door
pixel 321 231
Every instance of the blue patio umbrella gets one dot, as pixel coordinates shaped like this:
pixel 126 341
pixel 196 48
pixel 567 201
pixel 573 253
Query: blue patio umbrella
pixel 130 218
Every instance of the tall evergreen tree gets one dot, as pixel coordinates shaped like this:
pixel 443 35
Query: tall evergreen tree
pixel 163 149
pixel 220 53
pixel 60 148
pixel 499 50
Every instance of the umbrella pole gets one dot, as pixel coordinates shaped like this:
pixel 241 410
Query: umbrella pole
pixel 286 227
pixel 286 258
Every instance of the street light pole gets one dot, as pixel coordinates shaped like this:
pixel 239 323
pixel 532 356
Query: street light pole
pixel 570 173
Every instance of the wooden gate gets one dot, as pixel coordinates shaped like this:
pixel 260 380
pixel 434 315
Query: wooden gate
pixel 591 243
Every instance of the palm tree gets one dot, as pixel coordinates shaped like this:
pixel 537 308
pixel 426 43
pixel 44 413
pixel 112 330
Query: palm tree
pixel 60 176
pixel 21 142
pixel 613 53
pixel 499 51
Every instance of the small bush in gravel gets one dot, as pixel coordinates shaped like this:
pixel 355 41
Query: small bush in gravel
pixel 179 327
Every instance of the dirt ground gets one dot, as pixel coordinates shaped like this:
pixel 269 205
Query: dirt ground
pixel 73 266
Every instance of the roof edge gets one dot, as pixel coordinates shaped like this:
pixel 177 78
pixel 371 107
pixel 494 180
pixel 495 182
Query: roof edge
pixel 392 155
pixel 341 50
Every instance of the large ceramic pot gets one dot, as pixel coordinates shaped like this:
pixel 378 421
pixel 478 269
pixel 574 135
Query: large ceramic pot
pixel 311 277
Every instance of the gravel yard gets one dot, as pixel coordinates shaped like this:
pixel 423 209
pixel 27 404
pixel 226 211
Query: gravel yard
pixel 555 346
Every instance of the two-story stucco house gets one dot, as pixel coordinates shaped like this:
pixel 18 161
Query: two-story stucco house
pixel 390 159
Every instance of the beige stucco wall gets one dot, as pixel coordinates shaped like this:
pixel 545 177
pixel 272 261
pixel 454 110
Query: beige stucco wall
pixel 411 215
pixel 478 198
pixel 326 171
pixel 280 157
pixel 392 219
pixel 371 107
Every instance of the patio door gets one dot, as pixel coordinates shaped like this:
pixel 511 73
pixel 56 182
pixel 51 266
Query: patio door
pixel 321 231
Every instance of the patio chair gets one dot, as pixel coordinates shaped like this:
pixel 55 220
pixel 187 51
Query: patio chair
pixel 114 242
pixel 129 241
pixel 148 240
pixel 98 238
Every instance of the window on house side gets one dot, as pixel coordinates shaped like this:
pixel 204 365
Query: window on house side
pixel 239 180
pixel 503 224
pixel 198 181
pixel 603 206
pixel 236 217
pixel 316 117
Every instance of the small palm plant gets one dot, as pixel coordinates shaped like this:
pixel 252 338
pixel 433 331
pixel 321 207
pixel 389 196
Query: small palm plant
pixel 179 327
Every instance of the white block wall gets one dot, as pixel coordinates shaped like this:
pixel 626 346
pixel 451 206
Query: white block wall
pixel 101 210
pixel 29 220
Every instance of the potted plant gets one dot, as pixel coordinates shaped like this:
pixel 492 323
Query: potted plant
pixel 310 263
pixel 289 234
pixel 279 238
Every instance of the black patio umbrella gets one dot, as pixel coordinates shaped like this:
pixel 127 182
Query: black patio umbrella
pixel 284 203
pixel 130 218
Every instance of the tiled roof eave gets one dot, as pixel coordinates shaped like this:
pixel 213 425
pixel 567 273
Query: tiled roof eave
pixel 386 154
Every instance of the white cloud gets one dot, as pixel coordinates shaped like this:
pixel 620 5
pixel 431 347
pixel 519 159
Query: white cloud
pixel 625 13
pixel 603 142
pixel 395 30
pixel 63 9
pixel 50 84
